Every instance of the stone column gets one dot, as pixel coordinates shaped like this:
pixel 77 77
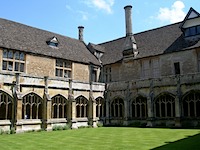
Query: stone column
pixel 126 109
pixel 92 108
pixel 46 123
pixel 150 106
pixel 107 102
pixel 72 107
pixel 177 112
pixel 17 115
pixel 177 104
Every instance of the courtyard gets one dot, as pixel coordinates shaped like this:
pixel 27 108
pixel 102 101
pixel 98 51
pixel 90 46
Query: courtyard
pixel 104 138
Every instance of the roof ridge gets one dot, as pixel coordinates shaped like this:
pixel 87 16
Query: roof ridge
pixel 158 28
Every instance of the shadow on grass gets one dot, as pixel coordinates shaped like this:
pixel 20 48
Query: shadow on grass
pixel 188 143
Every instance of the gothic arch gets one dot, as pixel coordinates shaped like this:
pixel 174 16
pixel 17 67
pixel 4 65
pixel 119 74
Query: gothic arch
pixel 6 106
pixel 100 107
pixel 117 107
pixel 164 93
pixel 164 105
pixel 191 104
pixel 82 106
pixel 59 105
pixel 31 92
pixel 139 107
pixel 32 106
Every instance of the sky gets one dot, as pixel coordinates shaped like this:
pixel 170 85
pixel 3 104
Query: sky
pixel 103 20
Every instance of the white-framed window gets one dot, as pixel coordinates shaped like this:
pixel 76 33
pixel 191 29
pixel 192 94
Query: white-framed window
pixel 63 68
pixel 13 60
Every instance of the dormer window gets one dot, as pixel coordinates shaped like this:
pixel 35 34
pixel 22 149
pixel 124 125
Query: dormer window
pixel 53 42
pixel 191 31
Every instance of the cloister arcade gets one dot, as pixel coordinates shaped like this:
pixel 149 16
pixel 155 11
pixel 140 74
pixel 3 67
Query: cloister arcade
pixel 163 107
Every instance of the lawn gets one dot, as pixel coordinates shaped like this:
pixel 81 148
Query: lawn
pixel 110 138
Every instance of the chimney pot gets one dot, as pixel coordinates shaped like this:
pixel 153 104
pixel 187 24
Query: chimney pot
pixel 80 33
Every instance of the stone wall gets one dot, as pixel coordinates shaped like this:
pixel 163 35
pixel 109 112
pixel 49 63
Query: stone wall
pixel 132 69
pixel 81 72
pixel 46 89
pixel 40 66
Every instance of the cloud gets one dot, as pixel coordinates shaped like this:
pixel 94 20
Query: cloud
pixel 173 14
pixel 68 7
pixel 105 5
pixel 84 15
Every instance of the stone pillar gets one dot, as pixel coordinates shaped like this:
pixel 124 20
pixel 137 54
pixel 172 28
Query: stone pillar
pixel 150 118
pixel 92 108
pixel 46 124
pixel 17 114
pixel 126 111
pixel 72 107
pixel 107 120
pixel 107 102
pixel 177 112
pixel 177 104
pixel 150 106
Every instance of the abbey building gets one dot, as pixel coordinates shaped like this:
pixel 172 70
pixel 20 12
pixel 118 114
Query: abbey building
pixel 151 78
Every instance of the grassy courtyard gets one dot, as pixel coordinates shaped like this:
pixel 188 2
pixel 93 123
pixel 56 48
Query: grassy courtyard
pixel 110 138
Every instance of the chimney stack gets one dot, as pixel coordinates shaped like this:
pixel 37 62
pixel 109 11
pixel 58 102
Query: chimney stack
pixel 128 18
pixel 130 47
pixel 80 33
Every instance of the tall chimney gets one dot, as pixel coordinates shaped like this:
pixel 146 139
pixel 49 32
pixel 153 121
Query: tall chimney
pixel 128 18
pixel 80 33
pixel 130 47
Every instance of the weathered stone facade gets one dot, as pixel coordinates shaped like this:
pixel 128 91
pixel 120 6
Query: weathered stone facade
pixel 150 78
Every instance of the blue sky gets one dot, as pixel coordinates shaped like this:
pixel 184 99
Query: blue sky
pixel 103 20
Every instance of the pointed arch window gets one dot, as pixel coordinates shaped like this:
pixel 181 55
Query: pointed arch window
pixel 31 107
pixel 81 107
pixel 191 105
pixel 165 106
pixel 100 107
pixel 59 107
pixel 139 107
pixel 117 108
pixel 6 104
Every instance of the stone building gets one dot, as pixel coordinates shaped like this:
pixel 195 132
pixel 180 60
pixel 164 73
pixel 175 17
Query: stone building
pixel 151 78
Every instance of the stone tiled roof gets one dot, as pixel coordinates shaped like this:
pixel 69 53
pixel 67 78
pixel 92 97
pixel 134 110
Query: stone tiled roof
pixel 149 43
pixel 32 40
pixel 97 47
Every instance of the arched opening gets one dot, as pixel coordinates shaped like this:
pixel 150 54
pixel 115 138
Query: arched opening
pixel 165 106
pixel 117 108
pixel 81 107
pixel 6 103
pixel 100 112
pixel 59 107
pixel 191 104
pixel 31 107
pixel 139 107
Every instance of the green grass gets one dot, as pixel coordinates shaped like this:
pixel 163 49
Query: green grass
pixel 110 138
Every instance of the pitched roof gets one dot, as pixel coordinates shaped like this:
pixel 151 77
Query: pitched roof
pixel 29 39
pixel 190 15
pixel 97 47
pixel 149 43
